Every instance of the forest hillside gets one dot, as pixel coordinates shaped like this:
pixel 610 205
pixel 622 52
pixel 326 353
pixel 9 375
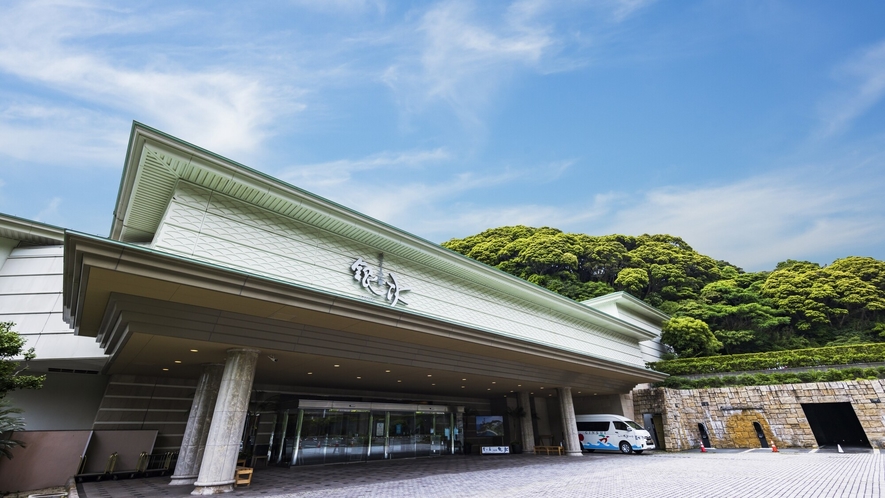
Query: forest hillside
pixel 717 308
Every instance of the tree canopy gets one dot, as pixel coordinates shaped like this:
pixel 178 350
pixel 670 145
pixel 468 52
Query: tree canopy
pixel 797 304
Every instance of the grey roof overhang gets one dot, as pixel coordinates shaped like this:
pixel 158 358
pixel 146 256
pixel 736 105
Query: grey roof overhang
pixel 33 232
pixel 218 173
pixel 634 304
pixel 85 254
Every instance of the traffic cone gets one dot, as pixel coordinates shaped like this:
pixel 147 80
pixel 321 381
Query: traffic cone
pixel 703 450
pixel 773 448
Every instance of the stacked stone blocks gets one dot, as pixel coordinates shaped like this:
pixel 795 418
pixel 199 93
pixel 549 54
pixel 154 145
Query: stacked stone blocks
pixel 728 413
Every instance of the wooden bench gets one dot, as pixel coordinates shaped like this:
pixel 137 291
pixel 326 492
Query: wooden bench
pixel 548 450
pixel 243 475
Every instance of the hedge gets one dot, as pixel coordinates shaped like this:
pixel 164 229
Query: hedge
pixel 763 379
pixel 812 357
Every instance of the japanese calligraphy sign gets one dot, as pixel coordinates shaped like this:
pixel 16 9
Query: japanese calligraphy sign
pixel 368 279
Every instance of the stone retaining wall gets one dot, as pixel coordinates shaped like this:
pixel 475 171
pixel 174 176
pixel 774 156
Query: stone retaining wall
pixel 729 412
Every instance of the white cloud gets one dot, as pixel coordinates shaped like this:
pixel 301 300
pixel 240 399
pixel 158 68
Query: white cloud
pixel 337 172
pixel 49 211
pixel 46 43
pixel 759 221
pixel 622 9
pixel 342 6
pixel 864 79
pixel 398 204
pixel 461 62
pixel 41 132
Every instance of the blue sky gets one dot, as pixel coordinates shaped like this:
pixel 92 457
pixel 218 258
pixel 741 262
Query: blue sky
pixel 755 130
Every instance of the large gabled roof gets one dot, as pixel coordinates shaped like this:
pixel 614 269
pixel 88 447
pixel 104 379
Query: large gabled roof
pixel 156 161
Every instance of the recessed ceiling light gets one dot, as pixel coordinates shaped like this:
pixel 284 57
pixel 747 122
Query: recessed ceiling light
pixel 309 373
pixel 177 361
pixel 550 394
pixel 531 393
pixel 429 375
pixel 165 369
pixel 463 379
pixel 462 387
pixel 489 389
pixel 387 371
pixel 542 388
pixel 358 377
pixel 194 350
pixel 433 384
pixel 518 385
pixel 511 391
pixel 399 381
pixel 336 365
pixel 494 382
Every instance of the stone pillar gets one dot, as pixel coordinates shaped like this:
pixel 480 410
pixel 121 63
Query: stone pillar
pixel 569 425
pixel 198 422
pixel 223 444
pixel 459 427
pixel 528 433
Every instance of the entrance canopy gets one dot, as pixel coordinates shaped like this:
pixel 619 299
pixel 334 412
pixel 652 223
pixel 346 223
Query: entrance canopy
pixel 206 254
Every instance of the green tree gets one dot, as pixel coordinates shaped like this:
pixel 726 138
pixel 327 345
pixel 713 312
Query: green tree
pixel 689 337
pixel 12 346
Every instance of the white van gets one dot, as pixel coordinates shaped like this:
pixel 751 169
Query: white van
pixel 612 432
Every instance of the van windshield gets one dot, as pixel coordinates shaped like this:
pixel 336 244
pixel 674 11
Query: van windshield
pixel 634 425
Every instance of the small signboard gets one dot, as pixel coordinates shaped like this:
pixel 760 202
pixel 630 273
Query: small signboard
pixel 495 450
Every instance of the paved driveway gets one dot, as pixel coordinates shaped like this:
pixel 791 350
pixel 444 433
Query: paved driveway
pixel 723 473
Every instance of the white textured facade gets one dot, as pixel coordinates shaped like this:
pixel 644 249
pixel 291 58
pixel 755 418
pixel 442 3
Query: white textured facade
pixel 218 229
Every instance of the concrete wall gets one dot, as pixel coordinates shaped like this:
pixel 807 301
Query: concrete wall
pixel 66 402
pixel 729 412
pixel 148 403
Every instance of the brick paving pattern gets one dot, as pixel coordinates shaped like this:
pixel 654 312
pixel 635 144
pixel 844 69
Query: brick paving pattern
pixel 724 473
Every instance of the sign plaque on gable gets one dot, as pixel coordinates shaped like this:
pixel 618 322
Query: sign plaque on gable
pixel 368 279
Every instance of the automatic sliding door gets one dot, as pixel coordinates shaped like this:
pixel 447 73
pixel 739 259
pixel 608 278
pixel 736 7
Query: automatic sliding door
pixel 330 436
pixel 401 435
pixel 378 444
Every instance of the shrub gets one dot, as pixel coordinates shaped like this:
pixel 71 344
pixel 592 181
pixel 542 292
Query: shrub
pixel 833 355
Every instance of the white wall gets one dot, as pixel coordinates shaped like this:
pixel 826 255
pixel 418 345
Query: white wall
pixel 219 229
pixel 31 298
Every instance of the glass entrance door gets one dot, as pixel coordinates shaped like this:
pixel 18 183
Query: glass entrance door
pixel 361 432
pixel 401 435
pixel 378 442
pixel 330 436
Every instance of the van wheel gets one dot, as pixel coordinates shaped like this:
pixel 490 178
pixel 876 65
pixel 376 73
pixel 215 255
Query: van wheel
pixel 625 448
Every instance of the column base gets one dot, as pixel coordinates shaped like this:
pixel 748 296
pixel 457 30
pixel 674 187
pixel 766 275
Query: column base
pixel 212 490
pixel 182 480
pixel 574 453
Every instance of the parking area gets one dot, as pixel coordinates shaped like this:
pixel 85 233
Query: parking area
pixel 719 473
